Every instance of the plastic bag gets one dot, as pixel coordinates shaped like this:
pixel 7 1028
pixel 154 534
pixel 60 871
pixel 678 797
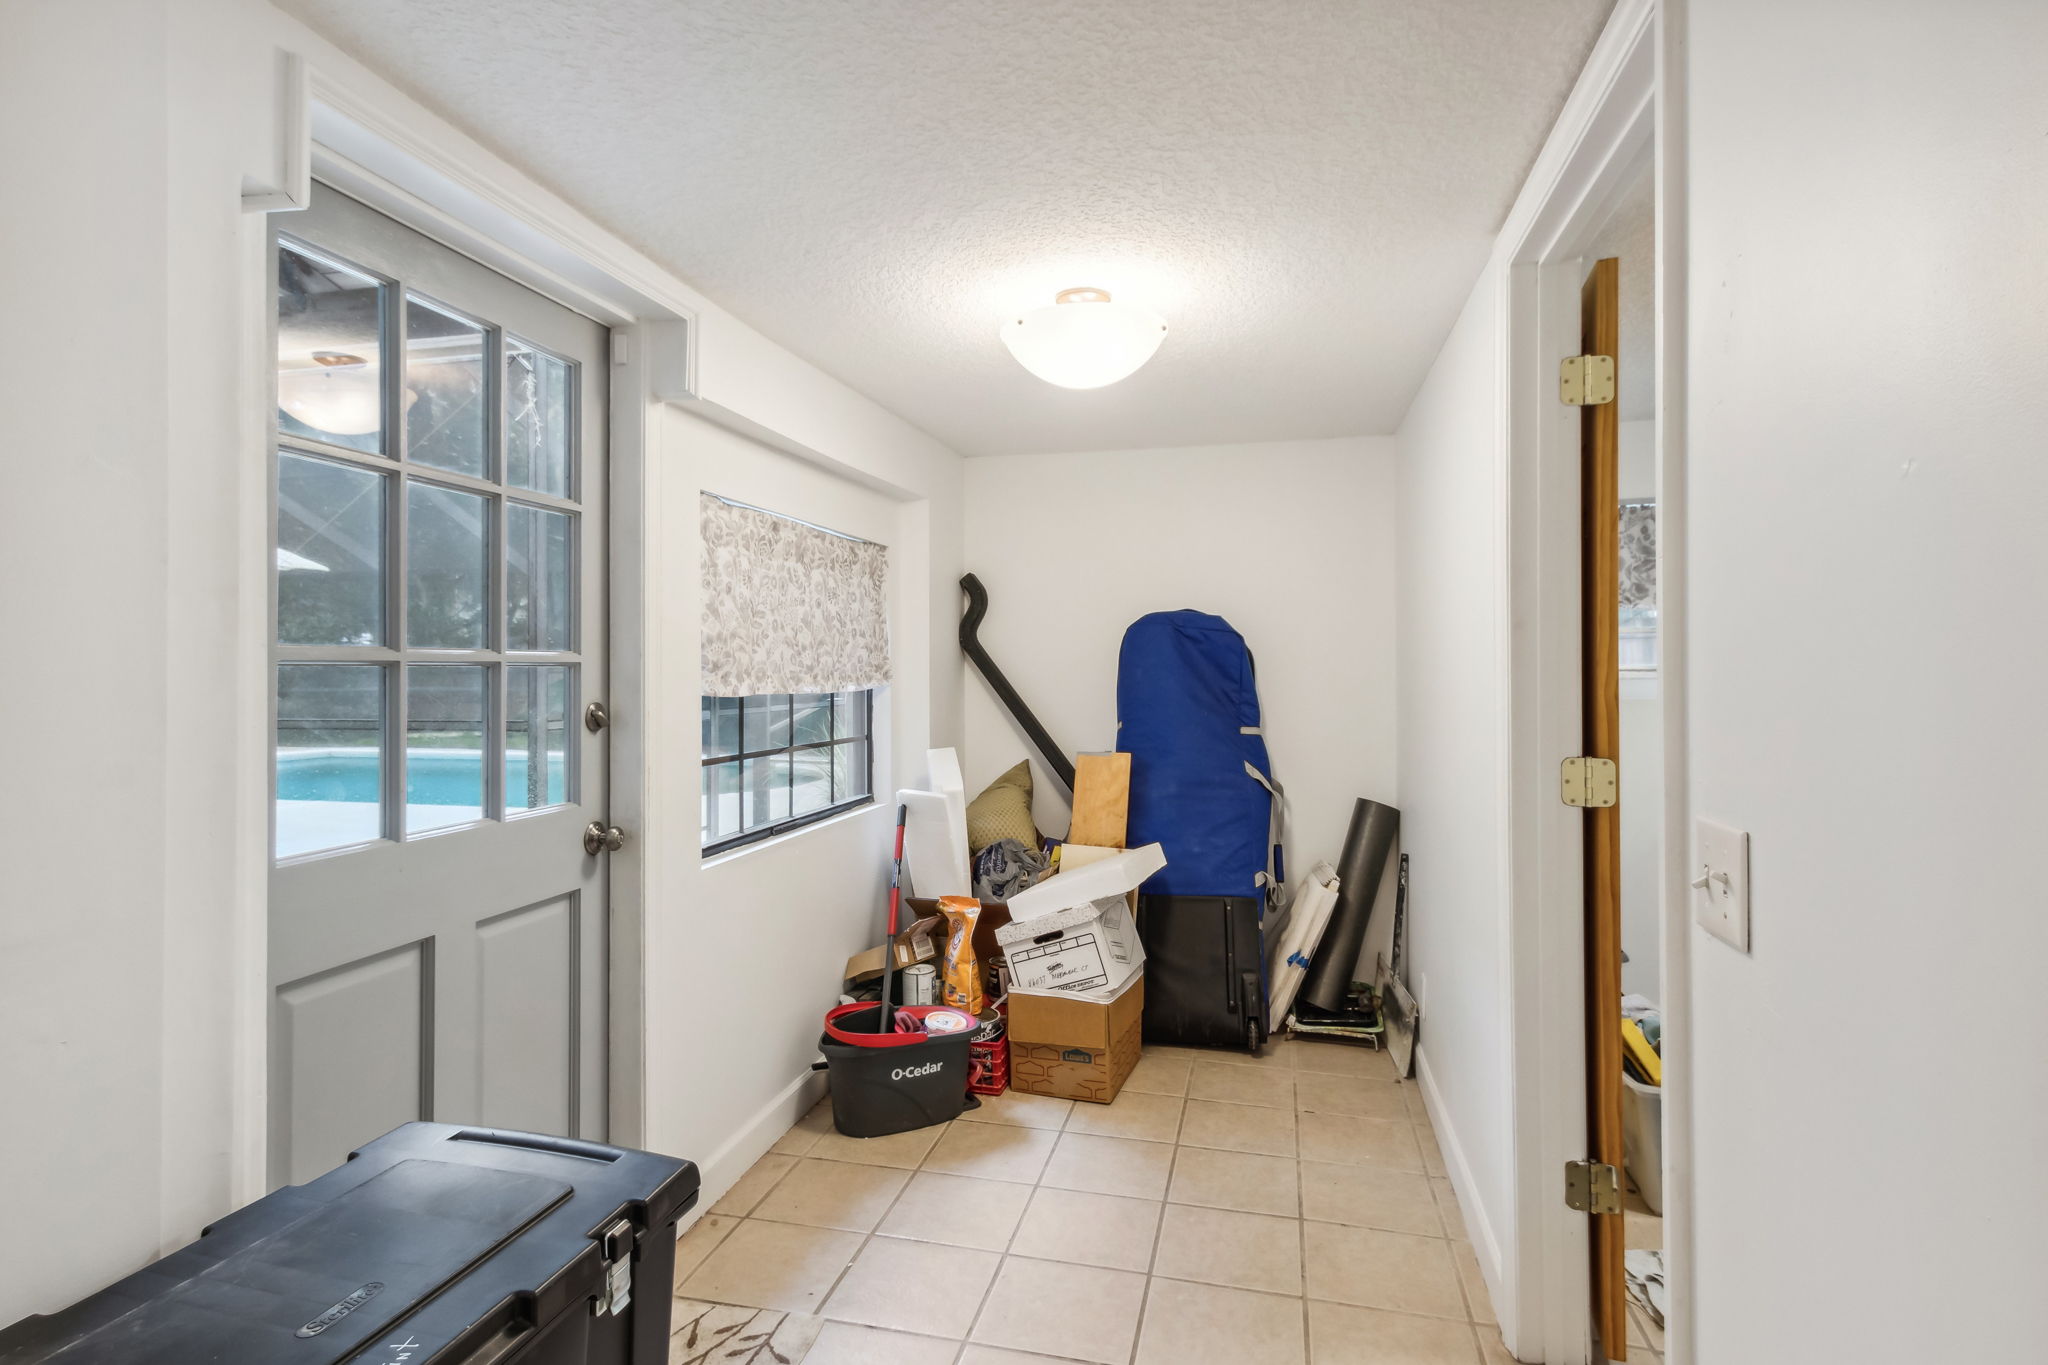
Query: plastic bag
pixel 960 971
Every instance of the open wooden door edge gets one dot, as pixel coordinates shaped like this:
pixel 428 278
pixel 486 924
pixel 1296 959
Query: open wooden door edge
pixel 1600 555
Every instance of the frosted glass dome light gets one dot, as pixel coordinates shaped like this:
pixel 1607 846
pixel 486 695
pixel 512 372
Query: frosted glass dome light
pixel 1084 340
pixel 337 393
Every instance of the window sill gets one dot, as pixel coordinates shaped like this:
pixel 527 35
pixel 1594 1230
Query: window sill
pixel 773 841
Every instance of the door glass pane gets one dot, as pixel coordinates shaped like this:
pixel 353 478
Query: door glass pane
pixel 721 726
pixel 764 791
pixel 330 553
pixel 444 745
pixel 537 609
pixel 536 735
pixel 538 441
pixel 445 405
pixel 329 353
pixel 330 762
pixel 721 801
pixel 850 770
pixel 448 576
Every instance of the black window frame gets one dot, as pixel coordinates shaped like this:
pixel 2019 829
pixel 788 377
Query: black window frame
pixel 741 754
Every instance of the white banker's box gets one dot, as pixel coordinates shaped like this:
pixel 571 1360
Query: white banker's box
pixel 1073 933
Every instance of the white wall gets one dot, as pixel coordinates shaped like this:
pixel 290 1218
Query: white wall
pixel 134 828
pixel 1642 764
pixel 1866 567
pixel 1292 543
pixel 1452 703
pixel 746 950
pixel 127 276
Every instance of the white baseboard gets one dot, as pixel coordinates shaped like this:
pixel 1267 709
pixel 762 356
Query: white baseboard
pixel 721 1170
pixel 1478 1225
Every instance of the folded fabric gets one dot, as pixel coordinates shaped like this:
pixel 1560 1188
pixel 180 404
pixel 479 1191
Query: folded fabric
pixel 1006 867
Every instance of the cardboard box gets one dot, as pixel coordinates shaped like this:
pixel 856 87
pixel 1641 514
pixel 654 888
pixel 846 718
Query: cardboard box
pixel 1075 1048
pixel 1102 797
pixel 925 938
pixel 1084 881
pixel 1090 950
pixel 922 941
pixel 1074 857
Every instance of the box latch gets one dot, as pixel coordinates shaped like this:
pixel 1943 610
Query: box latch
pixel 617 1293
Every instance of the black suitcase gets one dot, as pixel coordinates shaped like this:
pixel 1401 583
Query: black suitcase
pixel 434 1245
pixel 1204 973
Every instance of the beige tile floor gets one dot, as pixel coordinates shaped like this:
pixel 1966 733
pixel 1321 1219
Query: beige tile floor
pixel 1285 1209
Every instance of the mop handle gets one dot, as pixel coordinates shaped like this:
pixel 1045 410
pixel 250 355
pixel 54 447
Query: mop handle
pixel 885 1012
pixel 896 874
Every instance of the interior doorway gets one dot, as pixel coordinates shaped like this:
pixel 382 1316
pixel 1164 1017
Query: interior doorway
pixel 438 908
pixel 1622 723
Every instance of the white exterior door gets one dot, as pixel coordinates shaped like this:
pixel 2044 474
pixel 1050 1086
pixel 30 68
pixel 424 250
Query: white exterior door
pixel 437 928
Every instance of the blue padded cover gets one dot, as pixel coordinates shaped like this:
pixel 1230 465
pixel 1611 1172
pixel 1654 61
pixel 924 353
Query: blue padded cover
pixel 1184 697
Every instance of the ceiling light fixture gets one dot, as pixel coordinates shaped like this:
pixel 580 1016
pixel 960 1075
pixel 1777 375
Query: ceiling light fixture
pixel 1084 340
pixel 337 393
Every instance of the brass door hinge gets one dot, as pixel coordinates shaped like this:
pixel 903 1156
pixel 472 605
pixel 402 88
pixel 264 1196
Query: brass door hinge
pixel 1589 782
pixel 1590 1187
pixel 1586 381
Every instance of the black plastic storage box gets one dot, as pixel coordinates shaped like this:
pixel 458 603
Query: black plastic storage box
pixel 434 1244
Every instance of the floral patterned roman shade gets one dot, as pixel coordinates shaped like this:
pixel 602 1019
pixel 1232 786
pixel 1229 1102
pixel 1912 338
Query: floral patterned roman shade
pixel 789 607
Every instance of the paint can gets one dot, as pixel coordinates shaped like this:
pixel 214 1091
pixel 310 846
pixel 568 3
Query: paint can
pixel 919 984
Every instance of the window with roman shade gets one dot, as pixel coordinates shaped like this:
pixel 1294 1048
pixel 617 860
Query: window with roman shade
pixel 795 640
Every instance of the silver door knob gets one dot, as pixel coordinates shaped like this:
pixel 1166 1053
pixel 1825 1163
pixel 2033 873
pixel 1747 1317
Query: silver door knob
pixel 600 838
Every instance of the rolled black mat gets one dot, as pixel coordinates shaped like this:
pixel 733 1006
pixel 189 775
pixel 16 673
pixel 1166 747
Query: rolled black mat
pixel 1367 845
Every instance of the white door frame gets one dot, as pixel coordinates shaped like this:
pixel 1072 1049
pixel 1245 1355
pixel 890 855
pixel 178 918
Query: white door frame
pixel 381 160
pixel 1624 117
pixel 389 154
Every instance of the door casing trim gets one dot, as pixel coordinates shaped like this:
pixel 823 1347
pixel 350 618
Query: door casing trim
pixel 383 150
pixel 1624 118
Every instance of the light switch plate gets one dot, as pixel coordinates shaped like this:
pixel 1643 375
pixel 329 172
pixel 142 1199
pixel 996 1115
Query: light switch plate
pixel 1720 894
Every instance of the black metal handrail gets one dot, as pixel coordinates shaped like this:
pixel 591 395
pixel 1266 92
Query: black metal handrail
pixel 970 621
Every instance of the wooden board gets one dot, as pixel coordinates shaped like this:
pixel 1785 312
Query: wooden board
pixel 1600 630
pixel 1102 798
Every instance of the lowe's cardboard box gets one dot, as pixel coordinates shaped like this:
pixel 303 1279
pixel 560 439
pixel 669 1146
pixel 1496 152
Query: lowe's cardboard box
pixel 1075 1047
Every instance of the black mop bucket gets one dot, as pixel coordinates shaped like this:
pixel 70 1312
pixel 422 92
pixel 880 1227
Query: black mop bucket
pixel 881 1085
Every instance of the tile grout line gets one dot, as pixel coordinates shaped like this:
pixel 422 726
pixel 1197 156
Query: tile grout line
pixel 1159 1226
pixel 1422 1133
pixel 1176 1145
pixel 1308 1344
pixel 1003 1256
pixel 869 1236
pixel 1450 1243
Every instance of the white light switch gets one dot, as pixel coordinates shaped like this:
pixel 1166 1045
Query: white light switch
pixel 1720 882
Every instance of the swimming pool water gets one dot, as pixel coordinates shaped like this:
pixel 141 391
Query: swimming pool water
pixel 433 777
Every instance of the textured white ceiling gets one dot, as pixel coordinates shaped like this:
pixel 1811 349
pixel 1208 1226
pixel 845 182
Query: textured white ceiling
pixel 1305 189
